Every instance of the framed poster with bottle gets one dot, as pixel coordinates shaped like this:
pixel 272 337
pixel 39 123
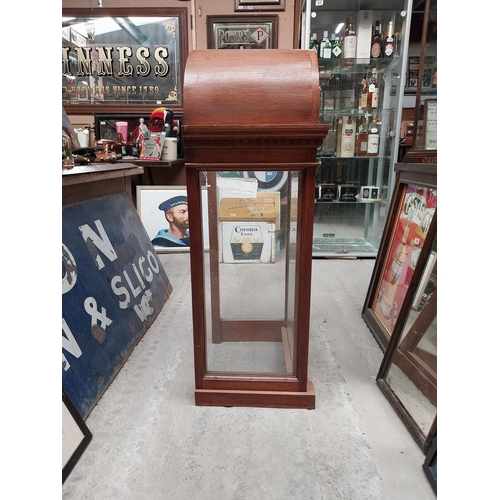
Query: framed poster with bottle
pixel 412 215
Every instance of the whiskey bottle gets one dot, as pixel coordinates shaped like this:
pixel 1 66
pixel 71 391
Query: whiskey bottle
pixel 376 49
pixel 325 47
pixel 389 41
pixel 313 43
pixel 373 90
pixel 388 307
pixel 350 41
pixel 373 138
pixel 347 144
pixel 363 100
pixel 400 254
pixel 336 49
pixel 362 138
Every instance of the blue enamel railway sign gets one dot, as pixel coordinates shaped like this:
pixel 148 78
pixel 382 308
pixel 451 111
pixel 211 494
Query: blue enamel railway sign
pixel 113 287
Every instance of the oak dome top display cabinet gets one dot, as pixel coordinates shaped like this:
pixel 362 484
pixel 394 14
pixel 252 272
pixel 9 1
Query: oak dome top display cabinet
pixel 362 80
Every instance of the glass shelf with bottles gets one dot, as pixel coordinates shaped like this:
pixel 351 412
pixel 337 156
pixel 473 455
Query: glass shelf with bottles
pixel 358 137
pixel 351 45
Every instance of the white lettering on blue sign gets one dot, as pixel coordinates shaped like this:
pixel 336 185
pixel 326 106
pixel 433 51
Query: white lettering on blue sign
pixel 101 241
pixel 70 344
pixel 90 305
pixel 69 279
pixel 145 308
pixel 124 285
pixel 120 290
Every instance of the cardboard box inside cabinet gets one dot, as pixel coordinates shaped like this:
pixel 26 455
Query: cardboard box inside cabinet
pixel 364 33
pixel 247 242
pixel 248 209
pixel 276 196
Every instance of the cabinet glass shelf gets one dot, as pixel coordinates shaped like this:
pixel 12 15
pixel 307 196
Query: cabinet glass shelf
pixel 355 112
pixel 334 66
pixel 330 157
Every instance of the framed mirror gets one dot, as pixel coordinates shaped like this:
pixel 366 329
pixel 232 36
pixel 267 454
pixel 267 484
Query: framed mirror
pixel 113 58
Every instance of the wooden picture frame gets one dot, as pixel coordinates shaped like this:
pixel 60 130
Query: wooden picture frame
pixel 430 465
pixel 148 200
pixel 76 436
pixel 242 32
pixel 259 5
pixel 388 295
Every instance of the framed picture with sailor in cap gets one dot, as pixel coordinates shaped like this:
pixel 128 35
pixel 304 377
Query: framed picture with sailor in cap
pixel 164 213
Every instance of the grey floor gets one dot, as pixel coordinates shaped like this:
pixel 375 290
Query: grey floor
pixel 151 442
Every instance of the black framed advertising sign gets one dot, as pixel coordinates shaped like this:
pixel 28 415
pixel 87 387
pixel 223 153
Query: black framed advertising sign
pixel 123 57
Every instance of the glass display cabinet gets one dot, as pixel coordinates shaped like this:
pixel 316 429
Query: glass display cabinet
pixel 362 58
pixel 251 288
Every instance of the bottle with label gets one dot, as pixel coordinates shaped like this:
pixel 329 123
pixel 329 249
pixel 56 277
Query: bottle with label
pixel 313 43
pixel 376 49
pixel 348 137
pixel 131 145
pixel 400 254
pixel 389 41
pixel 363 99
pixel 362 138
pixel 325 47
pixel 373 138
pixel 373 90
pixel 350 41
pixel 336 49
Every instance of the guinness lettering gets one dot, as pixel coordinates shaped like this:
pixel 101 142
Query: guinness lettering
pixel 85 65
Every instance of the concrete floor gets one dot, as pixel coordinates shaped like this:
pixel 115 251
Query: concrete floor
pixel 151 442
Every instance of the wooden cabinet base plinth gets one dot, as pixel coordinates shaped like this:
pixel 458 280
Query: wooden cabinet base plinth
pixel 257 399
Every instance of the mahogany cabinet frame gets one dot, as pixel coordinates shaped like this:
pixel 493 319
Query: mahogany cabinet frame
pixel 246 138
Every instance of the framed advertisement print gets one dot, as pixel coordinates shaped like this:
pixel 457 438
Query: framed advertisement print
pixel 242 32
pixel 131 58
pixel 75 436
pixel 164 214
pixel 430 124
pixel 412 218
